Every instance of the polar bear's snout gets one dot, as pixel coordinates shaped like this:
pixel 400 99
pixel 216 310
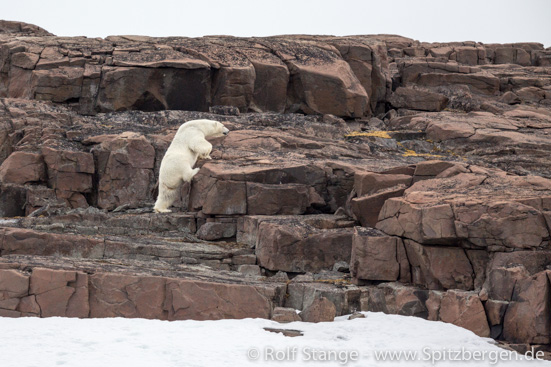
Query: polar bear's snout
pixel 226 131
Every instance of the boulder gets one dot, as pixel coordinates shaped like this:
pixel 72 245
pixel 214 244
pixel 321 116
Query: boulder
pixel 439 267
pixel 226 198
pixel 216 230
pixel 60 84
pixel 528 316
pixel 13 285
pixel 396 298
pixel 501 281
pixel 125 169
pixel 464 309
pixel 285 314
pixel 321 310
pixel 22 167
pixel 277 199
pixel 302 292
pixel 292 246
pixel 417 99
pixel 437 74
pixel 368 208
pixel 326 85
pixel 377 257
pixel 504 224
pixel 69 173
pixel 368 183
pixel 421 223
pixel 60 293
pixel 153 89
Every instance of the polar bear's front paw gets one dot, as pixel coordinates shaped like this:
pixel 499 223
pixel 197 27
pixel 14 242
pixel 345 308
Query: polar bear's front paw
pixel 205 156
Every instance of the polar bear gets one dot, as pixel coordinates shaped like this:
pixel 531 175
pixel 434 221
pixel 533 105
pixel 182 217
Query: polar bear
pixel 188 144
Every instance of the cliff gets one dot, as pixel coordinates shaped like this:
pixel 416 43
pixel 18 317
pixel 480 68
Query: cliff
pixel 382 173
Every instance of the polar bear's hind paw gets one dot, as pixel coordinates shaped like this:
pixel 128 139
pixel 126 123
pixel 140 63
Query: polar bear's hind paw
pixel 162 210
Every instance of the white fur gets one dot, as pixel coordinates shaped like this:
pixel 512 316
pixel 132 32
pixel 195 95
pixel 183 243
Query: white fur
pixel 188 144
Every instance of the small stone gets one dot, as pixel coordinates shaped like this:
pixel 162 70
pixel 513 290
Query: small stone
pixel 249 270
pixel 341 266
pixel 211 231
pixel 356 315
pixel 285 314
pixel 285 332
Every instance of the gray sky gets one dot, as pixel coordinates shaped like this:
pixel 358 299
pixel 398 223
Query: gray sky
pixel 485 21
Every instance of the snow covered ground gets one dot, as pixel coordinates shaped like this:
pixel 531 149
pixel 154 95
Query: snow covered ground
pixel 151 343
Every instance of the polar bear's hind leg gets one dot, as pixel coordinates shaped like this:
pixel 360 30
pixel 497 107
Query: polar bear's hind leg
pixel 165 199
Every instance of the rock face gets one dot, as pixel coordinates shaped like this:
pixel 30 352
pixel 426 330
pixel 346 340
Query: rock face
pixel 361 173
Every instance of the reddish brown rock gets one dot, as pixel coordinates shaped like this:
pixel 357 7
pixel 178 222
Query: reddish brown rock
pixel 443 131
pixel 60 293
pixel 234 85
pixel 22 167
pixel 395 298
pixel 211 301
pixel 70 174
pixel 417 99
pixel 433 305
pixel 439 267
pixel 532 261
pixel 527 319
pixel 368 183
pixel 13 285
pixel 510 98
pixel 432 168
pixel 215 231
pixel 277 199
pixel 464 309
pixel 424 224
pixel 28 306
pixel 13 199
pixel 495 310
pixel 312 84
pixel 125 169
pixel 152 89
pixel 21 29
pixel 502 224
pixel 270 81
pixel 25 241
pixel 501 281
pixel 24 60
pixel 375 256
pixel 321 310
pixel 301 293
pixel 297 247
pixel 117 295
pixel 479 260
pixel 437 74
pixel 59 84
pixel 226 198
pixel 285 314
pixel 367 208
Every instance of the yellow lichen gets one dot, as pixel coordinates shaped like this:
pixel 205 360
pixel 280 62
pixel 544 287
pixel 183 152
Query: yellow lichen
pixel 376 134
pixel 411 153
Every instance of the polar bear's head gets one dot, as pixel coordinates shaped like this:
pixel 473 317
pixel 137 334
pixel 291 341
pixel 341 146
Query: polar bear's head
pixel 211 128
